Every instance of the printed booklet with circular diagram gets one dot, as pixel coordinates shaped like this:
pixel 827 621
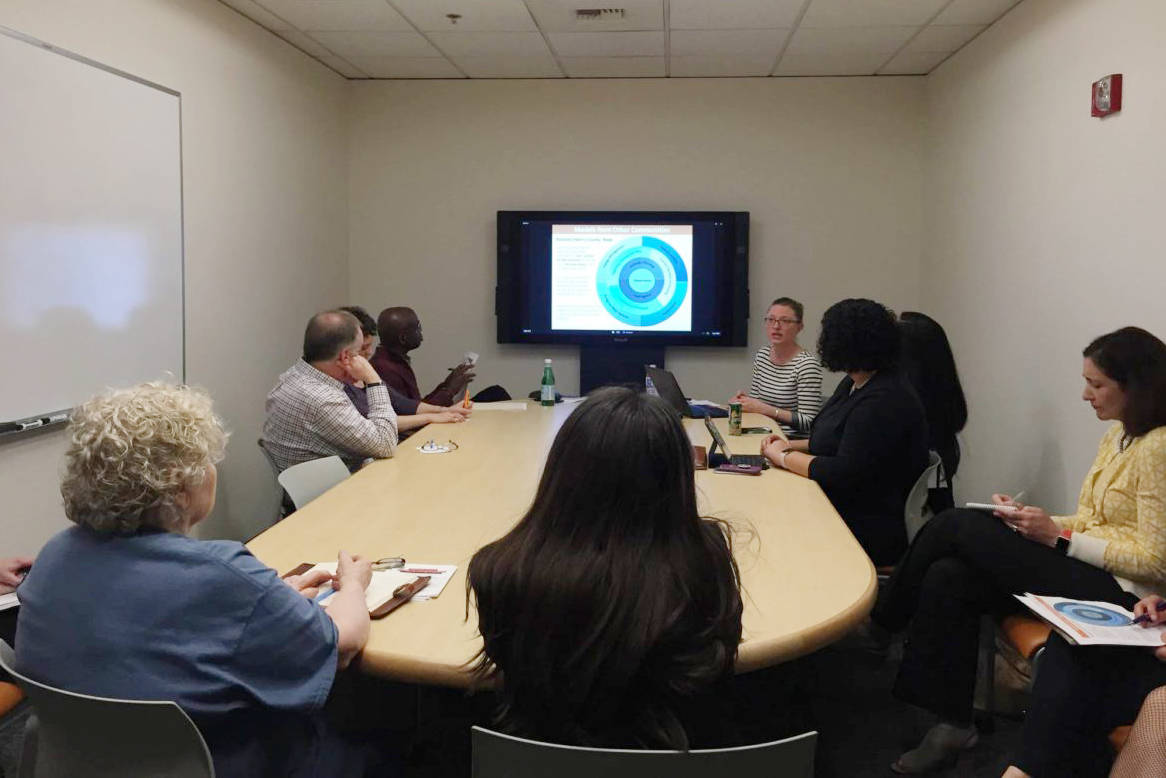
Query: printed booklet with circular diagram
pixel 1090 623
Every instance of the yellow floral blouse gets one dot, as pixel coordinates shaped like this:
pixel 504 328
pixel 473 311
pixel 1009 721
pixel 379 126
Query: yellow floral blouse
pixel 1121 511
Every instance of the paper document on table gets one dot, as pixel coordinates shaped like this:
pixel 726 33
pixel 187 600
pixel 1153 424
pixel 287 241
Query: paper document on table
pixel 439 576
pixel 500 406
pixel 1091 623
pixel 385 582
pixel 9 600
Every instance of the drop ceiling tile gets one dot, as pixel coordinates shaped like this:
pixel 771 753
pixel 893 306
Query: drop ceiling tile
pixel 870 13
pixel 914 62
pixel 377 44
pixel 476 15
pixel 614 67
pixel 258 14
pixel 311 15
pixel 841 62
pixel 746 43
pixel 559 15
pixel 343 67
pixel 490 44
pixel 733 14
pixel 510 67
pixel 647 43
pixel 974 11
pixel 944 37
pixel 408 67
pixel 842 39
pixel 304 43
pixel 720 65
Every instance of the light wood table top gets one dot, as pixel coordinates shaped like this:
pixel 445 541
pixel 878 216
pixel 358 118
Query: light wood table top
pixel 806 580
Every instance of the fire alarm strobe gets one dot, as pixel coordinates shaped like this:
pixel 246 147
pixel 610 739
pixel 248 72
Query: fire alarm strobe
pixel 1107 95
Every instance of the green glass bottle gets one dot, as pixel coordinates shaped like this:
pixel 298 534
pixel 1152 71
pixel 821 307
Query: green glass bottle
pixel 547 394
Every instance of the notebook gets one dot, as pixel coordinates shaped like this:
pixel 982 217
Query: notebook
pixel 669 390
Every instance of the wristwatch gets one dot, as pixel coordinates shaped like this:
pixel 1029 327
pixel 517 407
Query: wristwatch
pixel 1061 544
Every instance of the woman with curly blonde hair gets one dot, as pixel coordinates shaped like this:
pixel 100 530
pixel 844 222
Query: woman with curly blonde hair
pixel 125 604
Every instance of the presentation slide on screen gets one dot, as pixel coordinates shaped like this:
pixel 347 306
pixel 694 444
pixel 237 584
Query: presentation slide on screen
pixel 622 277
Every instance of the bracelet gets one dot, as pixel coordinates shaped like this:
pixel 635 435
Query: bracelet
pixel 781 458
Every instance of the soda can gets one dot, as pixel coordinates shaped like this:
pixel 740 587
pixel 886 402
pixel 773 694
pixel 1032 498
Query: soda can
pixel 734 418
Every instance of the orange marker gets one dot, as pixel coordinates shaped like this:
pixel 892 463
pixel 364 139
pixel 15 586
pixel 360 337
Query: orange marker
pixel 466 400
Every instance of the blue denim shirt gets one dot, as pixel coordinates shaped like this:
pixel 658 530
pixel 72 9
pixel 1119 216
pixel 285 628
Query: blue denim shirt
pixel 161 616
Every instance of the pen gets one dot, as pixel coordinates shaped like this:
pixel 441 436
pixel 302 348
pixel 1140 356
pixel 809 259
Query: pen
pixel 1161 606
pixel 422 570
pixel 1016 497
pixel 466 399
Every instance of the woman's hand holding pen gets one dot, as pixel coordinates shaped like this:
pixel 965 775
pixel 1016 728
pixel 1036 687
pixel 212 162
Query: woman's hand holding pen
pixel 309 583
pixel 1028 521
pixel 1151 611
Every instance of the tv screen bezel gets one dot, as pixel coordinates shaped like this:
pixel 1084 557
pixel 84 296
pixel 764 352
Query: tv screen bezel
pixel 734 330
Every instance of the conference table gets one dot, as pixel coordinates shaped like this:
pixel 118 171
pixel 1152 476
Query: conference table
pixel 805 580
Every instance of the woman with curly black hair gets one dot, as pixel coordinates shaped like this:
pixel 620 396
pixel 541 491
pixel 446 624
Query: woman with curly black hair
pixel 611 614
pixel 868 444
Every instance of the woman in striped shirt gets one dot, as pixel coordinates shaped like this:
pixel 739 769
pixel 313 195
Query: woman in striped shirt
pixel 787 380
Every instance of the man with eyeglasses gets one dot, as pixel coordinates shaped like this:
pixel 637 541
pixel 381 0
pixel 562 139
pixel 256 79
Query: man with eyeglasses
pixel 787 380
pixel 309 416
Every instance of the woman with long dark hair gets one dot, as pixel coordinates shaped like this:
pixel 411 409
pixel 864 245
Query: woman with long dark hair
pixel 964 564
pixel 929 366
pixel 612 612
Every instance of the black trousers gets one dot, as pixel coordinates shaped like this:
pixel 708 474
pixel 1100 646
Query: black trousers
pixel 962 565
pixel 1081 693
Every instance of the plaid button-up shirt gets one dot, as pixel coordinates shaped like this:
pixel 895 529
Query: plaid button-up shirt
pixel 309 416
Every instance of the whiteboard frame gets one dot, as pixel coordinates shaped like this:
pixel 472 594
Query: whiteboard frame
pixel 15 427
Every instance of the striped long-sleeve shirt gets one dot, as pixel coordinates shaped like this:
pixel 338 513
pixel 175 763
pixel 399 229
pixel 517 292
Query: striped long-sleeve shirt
pixel 795 386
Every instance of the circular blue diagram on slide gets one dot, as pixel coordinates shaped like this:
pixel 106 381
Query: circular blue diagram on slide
pixel 642 281
pixel 1093 615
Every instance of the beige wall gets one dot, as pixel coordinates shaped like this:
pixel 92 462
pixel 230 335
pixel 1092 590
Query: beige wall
pixel 831 170
pixel 1044 227
pixel 264 168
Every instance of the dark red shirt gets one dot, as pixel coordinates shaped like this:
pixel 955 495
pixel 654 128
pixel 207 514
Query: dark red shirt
pixel 397 373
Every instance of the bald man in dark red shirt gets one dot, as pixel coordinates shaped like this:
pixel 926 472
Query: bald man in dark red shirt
pixel 400 332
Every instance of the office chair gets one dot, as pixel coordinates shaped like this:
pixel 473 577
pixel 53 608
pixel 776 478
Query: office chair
pixel 286 506
pixel 915 512
pixel 308 480
pixel 504 756
pixel 72 734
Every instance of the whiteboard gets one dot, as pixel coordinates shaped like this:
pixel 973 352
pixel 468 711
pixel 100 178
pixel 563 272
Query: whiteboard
pixel 90 229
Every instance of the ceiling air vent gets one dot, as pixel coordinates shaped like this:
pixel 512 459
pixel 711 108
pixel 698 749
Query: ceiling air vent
pixel 599 14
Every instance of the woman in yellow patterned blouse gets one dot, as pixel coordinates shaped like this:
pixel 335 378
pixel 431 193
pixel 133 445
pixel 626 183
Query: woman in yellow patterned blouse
pixel 964 563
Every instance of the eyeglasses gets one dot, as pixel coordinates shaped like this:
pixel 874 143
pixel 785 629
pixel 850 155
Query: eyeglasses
pixel 772 322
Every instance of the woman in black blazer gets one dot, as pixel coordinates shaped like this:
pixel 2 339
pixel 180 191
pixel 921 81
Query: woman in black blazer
pixel 868 444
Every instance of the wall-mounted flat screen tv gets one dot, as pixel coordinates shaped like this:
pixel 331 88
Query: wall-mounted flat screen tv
pixel 638 277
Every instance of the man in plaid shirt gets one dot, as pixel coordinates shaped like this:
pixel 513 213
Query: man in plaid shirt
pixel 308 414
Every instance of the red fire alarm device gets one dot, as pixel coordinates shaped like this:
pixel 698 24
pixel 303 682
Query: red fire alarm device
pixel 1107 95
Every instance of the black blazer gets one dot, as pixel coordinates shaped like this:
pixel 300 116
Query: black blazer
pixel 869 449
